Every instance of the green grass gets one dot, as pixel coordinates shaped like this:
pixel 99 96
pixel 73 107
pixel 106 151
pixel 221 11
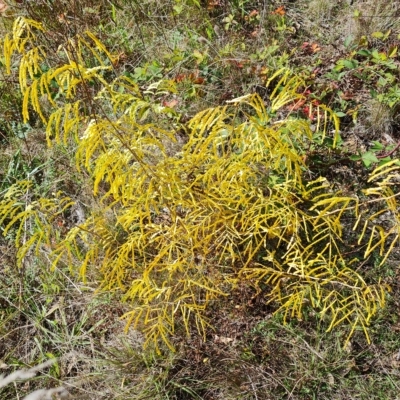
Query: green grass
pixel 214 53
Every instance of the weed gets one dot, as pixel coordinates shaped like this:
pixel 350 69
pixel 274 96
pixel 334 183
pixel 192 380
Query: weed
pixel 231 197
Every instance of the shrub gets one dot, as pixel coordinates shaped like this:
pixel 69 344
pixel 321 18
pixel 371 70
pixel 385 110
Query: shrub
pixel 182 225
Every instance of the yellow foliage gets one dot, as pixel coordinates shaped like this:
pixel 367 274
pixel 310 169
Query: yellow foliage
pixel 180 228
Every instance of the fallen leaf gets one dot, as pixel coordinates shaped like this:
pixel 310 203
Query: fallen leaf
pixel 3 7
pixel 180 77
pixel 171 104
pixel 315 48
pixel 223 339
pixel 211 4
pixel 279 11
pixel 347 95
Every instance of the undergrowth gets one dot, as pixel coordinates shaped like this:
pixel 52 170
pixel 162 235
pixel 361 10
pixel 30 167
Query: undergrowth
pixel 180 227
pixel 190 207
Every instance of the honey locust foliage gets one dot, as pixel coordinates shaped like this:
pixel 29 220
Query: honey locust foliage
pixel 182 225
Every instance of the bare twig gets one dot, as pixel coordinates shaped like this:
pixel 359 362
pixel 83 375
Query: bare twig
pixel 390 152
pixel 41 394
pixel 24 374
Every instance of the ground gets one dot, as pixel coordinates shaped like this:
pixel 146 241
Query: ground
pixel 214 51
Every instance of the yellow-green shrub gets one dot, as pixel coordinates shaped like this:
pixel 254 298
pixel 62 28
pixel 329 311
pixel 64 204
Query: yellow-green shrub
pixel 181 226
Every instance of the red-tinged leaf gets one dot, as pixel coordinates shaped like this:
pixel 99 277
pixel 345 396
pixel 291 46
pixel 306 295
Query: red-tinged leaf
pixel 211 4
pixel 3 6
pixel 315 48
pixel 279 11
pixel 171 103
pixel 347 95
pixel 180 77
pixel 299 104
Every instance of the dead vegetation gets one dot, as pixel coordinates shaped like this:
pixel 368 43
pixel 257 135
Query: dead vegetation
pixel 214 51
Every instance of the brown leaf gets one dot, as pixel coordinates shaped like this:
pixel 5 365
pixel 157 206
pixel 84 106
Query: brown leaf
pixel 171 104
pixel 253 13
pixel 3 7
pixel 279 11
pixel 223 339
pixel 347 95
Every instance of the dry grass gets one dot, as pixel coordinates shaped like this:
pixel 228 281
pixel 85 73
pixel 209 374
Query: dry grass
pixel 250 354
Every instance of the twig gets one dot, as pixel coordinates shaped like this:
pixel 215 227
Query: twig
pixel 390 152
pixel 23 374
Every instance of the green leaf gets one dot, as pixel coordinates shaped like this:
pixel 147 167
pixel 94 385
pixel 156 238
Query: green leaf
pixel 348 41
pixel 364 52
pixel 384 161
pixel 338 67
pixel 369 158
pixel 350 64
pixel 340 114
pixel 178 8
pixel 390 77
pixel 382 82
pixel 376 55
pixel 378 146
